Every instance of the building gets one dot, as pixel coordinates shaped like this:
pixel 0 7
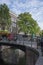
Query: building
pixel 13 27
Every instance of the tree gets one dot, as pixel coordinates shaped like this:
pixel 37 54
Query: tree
pixel 5 19
pixel 41 33
pixel 27 24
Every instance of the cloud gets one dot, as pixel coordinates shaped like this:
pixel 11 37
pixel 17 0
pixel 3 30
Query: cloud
pixel 5 1
pixel 41 25
pixel 35 7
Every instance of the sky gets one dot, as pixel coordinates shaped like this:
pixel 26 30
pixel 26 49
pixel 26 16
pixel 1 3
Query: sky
pixel 34 7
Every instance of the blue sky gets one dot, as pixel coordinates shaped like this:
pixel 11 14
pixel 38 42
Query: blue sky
pixel 35 7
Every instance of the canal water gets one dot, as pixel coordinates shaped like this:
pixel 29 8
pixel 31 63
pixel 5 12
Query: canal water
pixel 12 56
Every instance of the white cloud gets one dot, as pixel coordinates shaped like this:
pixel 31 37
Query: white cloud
pixel 41 25
pixel 5 1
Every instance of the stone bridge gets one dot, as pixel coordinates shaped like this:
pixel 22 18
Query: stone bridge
pixel 31 55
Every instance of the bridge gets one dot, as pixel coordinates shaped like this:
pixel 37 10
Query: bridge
pixel 31 54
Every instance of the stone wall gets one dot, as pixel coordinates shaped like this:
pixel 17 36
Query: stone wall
pixel 31 56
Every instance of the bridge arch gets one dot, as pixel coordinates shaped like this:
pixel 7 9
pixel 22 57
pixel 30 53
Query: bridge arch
pixel 22 47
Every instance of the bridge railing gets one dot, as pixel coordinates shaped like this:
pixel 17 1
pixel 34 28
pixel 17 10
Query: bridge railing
pixel 23 41
pixel 27 42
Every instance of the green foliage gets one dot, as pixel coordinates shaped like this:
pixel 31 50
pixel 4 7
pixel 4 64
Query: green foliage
pixel 5 19
pixel 41 33
pixel 27 24
pixel 4 32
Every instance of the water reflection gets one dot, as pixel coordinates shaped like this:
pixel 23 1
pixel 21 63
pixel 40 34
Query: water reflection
pixel 12 55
